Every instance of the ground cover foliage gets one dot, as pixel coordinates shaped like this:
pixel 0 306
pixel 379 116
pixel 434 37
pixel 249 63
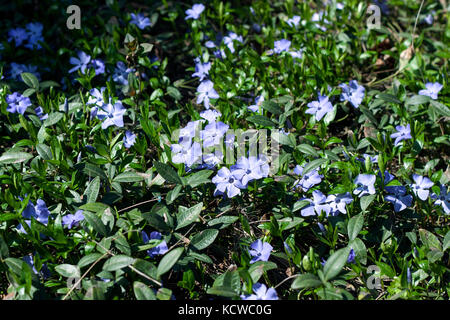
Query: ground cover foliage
pixel 114 177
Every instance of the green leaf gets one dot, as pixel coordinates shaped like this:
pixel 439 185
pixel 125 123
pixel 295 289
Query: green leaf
pixel 117 262
pixel 186 216
pixel 200 256
pixel 222 222
pixel 434 255
pixel 169 260
pixel 28 92
pixel 174 93
pixel 95 222
pixel 92 190
pixel 446 244
pixel 429 239
pixel 360 250
pixel 14 157
pixel 164 294
pixel 45 84
pixel 15 265
pixel 417 99
pixel 272 107
pixel 335 263
pixel 30 80
pixel 261 120
pixel 167 172
pixel 299 205
pixel 94 207
pixel 389 98
pixel 204 239
pixel 44 151
pixel 130 176
pixel 354 226
pixel 68 270
pixel 313 165
pixel 4 251
pixel 142 291
pixel 173 194
pixel 53 118
pixel 90 258
pixel 307 149
pixel 94 171
pixel 385 269
pixel 306 280
pixel 257 269
pixel 440 108
pixel 369 115
pixel 199 178
pixel 365 201
pixel 156 221
pixel 222 291
pixel 287 140
pixel 146 47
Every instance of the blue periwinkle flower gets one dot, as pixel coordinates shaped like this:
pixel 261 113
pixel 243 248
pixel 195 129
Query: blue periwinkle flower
pixel 307 181
pixel 258 102
pixel 210 115
pixel 129 139
pixel 443 199
pixel 429 19
pixel 98 65
pixel 206 91
pixel 351 256
pixel 398 197
pixel 40 113
pixel 34 33
pixel 201 69
pixel 320 107
pixel 140 20
pixel 352 92
pixel 194 12
pixel 294 21
pixel 260 251
pixel 373 159
pixel 17 103
pixel 72 220
pixel 187 152
pixel 38 212
pixel 111 114
pixel 420 186
pixel 45 272
pixel 338 202
pixel 213 133
pixel 121 72
pixel 228 40
pixel 365 185
pixel 247 169
pixel 81 62
pixel 432 90
pixel 261 293
pixel 403 133
pixel 317 205
pixel 160 249
pixel 281 45
pixel 18 35
pixel 17 69
pixel 387 177
pixel 227 183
